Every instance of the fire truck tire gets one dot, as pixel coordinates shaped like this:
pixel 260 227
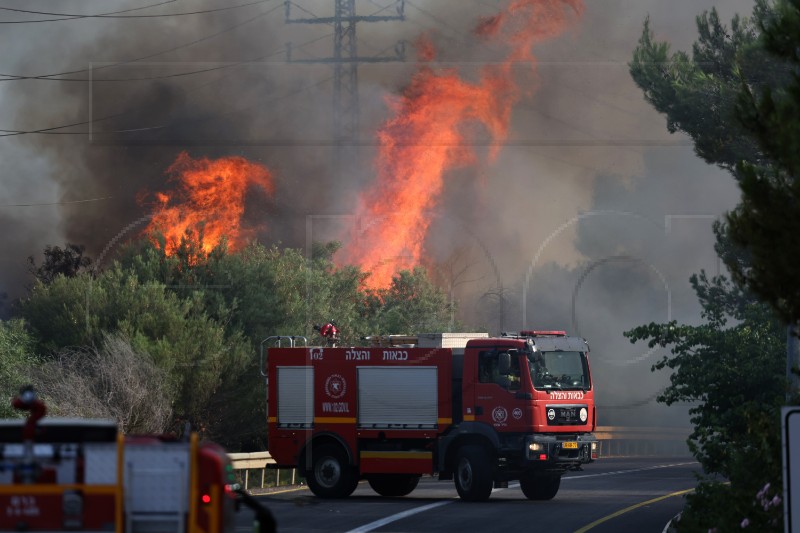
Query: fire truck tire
pixel 473 473
pixel 540 486
pixel 393 485
pixel 330 475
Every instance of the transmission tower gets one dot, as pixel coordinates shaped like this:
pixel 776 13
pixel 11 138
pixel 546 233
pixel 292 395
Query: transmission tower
pixel 345 61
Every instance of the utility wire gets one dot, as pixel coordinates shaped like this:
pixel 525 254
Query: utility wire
pixel 56 76
pixel 52 77
pixel 67 202
pixel 358 39
pixel 71 17
pixel 68 16
pixel 53 130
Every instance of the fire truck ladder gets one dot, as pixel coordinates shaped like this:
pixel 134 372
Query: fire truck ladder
pixel 277 341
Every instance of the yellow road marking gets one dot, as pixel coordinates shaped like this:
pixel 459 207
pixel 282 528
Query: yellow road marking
pixel 304 487
pixel 631 508
pixel 295 489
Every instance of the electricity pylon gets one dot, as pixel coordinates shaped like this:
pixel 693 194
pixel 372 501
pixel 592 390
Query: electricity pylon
pixel 345 61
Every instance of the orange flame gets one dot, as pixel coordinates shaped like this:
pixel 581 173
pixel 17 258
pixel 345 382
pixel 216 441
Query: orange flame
pixel 429 134
pixel 209 200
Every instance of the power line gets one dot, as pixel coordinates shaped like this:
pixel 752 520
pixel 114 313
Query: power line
pixel 52 77
pixel 52 130
pixel 68 202
pixel 79 16
pixel 68 16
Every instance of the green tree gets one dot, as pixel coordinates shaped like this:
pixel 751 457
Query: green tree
pixel 767 221
pixel 737 98
pixel 739 101
pixel 730 369
pixel 411 304
pixel 255 292
pixel 182 340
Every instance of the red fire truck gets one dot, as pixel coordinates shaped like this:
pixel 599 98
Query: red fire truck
pixel 481 411
pixel 83 475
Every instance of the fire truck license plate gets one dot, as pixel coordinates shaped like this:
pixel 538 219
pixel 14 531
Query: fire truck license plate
pixel 571 445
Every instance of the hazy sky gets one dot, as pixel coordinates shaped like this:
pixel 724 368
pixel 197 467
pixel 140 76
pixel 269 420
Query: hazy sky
pixel 591 218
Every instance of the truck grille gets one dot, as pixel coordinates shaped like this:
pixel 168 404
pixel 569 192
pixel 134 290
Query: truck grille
pixel 566 415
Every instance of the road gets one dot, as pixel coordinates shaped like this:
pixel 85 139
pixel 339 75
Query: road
pixel 611 495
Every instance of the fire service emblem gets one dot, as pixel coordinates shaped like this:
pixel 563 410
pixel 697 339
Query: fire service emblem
pixel 499 414
pixel 335 386
pixel 516 413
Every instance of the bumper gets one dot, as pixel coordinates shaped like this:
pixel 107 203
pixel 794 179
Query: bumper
pixel 572 450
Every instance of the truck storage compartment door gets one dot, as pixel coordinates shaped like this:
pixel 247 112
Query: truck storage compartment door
pixel 397 398
pixel 295 396
pixel 156 487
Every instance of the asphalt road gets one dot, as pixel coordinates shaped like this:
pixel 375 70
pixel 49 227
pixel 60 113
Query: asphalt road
pixel 611 495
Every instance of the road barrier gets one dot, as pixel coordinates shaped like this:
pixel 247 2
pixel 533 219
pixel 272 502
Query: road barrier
pixel 259 462
pixel 624 441
pixel 614 441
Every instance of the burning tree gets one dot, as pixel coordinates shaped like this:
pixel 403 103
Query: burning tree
pixel 209 199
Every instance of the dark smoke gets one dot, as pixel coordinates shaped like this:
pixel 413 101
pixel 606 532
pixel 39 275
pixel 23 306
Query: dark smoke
pixel 574 148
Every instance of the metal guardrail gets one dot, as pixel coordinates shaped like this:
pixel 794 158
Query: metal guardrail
pixel 631 441
pixel 260 462
pixel 614 441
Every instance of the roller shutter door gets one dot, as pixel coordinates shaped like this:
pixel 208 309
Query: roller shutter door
pixel 401 398
pixel 295 396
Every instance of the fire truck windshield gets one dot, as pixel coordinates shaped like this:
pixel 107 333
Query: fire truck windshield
pixel 559 370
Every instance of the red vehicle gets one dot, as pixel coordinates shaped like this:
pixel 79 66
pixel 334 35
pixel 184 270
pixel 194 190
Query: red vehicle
pixel 83 475
pixel 482 411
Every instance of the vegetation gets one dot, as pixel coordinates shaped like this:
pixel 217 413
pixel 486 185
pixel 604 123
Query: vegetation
pixel 739 101
pixel 16 362
pixel 112 381
pixel 731 369
pixel 738 98
pixel 183 330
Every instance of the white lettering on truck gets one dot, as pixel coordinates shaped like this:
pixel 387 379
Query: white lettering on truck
pixel 395 355
pixel 356 355
pixel 563 395
pixel 335 407
pixel 23 506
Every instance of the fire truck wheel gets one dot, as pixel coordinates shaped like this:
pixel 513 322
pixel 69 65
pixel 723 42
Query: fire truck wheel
pixel 330 475
pixel 393 485
pixel 540 486
pixel 473 475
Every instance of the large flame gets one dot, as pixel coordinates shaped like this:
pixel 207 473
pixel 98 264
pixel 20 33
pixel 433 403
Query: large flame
pixel 431 132
pixel 208 200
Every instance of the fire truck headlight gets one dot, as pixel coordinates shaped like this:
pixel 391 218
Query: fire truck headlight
pixel 594 446
pixel 535 447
